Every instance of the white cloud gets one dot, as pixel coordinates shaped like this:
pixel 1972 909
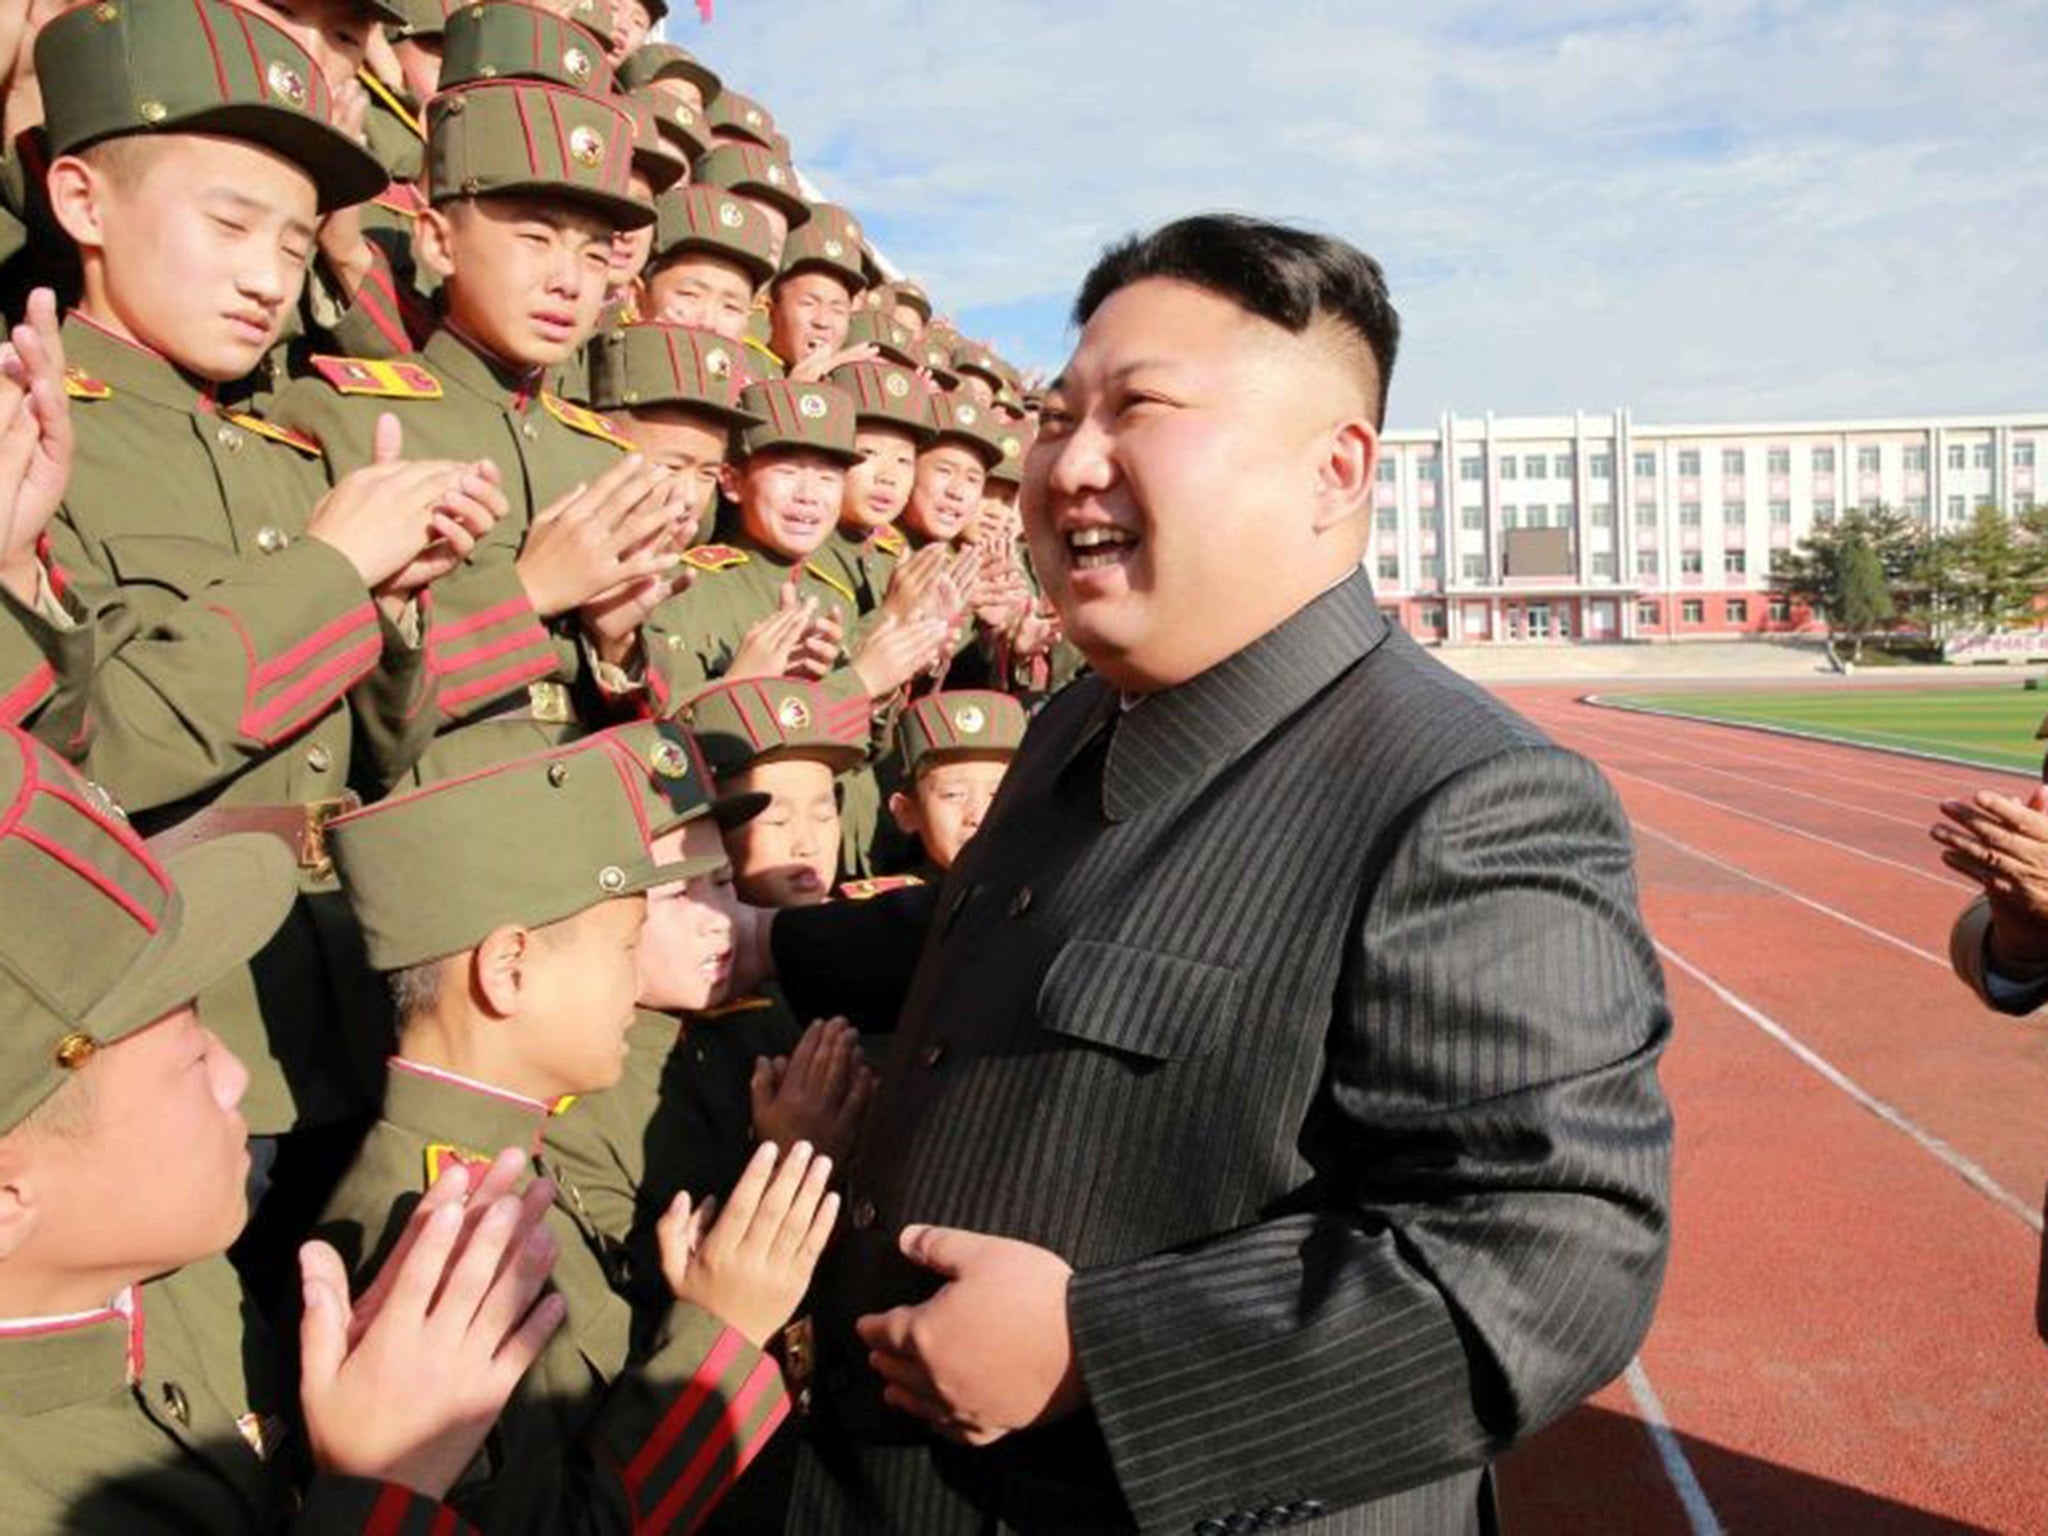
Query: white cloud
pixel 1714 209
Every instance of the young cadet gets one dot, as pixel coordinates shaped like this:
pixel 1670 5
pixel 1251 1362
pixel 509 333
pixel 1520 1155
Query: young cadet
pixel 713 249
pixel 980 372
pixel 243 600
pixel 512 959
pixel 903 302
pixel 632 22
pixel 400 75
pixel 757 175
pixel 787 478
pixel 520 231
pixel 955 747
pixel 737 119
pixel 952 468
pixel 677 73
pixel 143 1394
pixel 812 298
pixel 892 421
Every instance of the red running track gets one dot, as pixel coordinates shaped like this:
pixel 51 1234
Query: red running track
pixel 1846 1340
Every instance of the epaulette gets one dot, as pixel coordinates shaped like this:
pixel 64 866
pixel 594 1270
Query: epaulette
pixel 443 1155
pixel 831 581
pixel 377 377
pixel 582 419
pixel 737 1005
pixel 715 557
pixel 389 98
pixel 401 198
pixel 80 385
pixel 880 885
pixel 290 437
pixel 890 541
pixel 765 350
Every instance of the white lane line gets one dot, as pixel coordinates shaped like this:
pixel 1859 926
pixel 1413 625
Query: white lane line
pixel 1789 894
pixel 1971 1173
pixel 1784 826
pixel 1684 1481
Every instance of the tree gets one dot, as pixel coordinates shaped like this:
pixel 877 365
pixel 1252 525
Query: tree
pixel 1862 599
pixel 1817 573
pixel 1987 575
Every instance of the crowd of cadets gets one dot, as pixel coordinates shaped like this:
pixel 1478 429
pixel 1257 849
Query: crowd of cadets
pixel 475 535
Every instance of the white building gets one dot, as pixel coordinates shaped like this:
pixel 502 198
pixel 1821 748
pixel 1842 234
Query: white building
pixel 1602 528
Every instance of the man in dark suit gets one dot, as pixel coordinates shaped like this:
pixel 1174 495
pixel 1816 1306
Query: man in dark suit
pixel 1272 1134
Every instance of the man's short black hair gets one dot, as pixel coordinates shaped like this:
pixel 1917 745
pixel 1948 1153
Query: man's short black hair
pixel 1288 276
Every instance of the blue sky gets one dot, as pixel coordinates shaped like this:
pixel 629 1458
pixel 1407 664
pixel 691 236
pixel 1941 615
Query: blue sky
pixel 1720 210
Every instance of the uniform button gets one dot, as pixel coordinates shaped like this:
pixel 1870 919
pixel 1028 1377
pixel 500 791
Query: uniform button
pixel 1210 1528
pixel 1305 1509
pixel 174 1400
pixel 270 539
pixel 529 431
pixel 319 759
pixel 1240 1522
pixel 935 1053
pixel 229 438
pixel 1021 902
pixel 864 1214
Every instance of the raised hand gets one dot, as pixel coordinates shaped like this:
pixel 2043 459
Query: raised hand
pixel 383 516
pixel 598 537
pixel 35 441
pixel 819 1093
pixel 812 369
pixel 2002 843
pixel 896 651
pixel 751 1265
pixel 767 647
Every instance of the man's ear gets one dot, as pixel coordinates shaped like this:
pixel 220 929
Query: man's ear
pixel 903 811
pixel 1345 473
pixel 78 196
pixel 20 1205
pixel 499 969
pixel 433 241
pixel 729 480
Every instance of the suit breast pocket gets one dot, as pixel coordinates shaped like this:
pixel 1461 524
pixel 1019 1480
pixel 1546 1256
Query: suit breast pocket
pixel 171 561
pixel 1138 1001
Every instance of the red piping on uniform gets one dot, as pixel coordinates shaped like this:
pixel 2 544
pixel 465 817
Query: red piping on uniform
pixel 315 643
pixel 255 59
pixel 723 1350
pixel 85 871
pixel 129 839
pixel 320 686
pixel 387 1516
pixel 220 71
pixel 32 690
pixel 443 662
pixel 723 1433
pixel 501 682
pixel 455 629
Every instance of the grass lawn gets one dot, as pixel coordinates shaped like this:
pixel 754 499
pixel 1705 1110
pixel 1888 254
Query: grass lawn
pixel 1993 726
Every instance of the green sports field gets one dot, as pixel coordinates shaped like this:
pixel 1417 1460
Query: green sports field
pixel 1992 725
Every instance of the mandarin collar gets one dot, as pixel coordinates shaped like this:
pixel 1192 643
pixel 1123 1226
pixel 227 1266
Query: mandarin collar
pixel 57 1362
pixel 475 1117
pixel 129 367
pixel 461 361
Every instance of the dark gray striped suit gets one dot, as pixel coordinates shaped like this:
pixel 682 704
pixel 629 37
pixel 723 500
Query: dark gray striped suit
pixel 1307 1011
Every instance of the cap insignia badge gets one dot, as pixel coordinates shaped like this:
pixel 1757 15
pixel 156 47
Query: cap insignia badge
pixel 717 364
pixel 794 715
pixel 834 250
pixel 285 81
pixel 964 414
pixel 896 385
pixel 586 146
pixel 577 62
pixel 775 177
pixel 730 216
pixel 669 760
pixel 813 406
pixel 969 720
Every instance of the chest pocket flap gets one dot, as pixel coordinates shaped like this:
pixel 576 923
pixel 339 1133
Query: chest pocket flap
pixel 183 565
pixel 1138 1000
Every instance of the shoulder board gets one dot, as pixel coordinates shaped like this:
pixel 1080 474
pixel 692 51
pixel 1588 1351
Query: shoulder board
pixel 443 1155
pixel 715 557
pixel 80 385
pixel 582 419
pixel 890 541
pixel 831 581
pixel 564 1104
pixel 881 885
pixel 377 377
pixel 737 1005
pixel 306 444
pixel 384 94
pixel 767 353
pixel 400 198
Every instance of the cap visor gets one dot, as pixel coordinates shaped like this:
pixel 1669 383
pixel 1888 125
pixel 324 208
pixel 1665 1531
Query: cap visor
pixel 672 874
pixel 234 894
pixel 731 811
pixel 622 212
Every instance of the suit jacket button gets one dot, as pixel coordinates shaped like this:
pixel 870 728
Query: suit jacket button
pixel 1305 1509
pixel 1021 902
pixel 175 1401
pixel 935 1053
pixel 270 539
pixel 1241 1522
pixel 864 1214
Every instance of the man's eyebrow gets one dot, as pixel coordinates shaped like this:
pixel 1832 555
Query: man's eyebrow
pixel 248 204
pixel 1117 375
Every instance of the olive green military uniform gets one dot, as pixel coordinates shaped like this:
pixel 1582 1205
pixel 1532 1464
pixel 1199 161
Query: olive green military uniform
pixel 606 1432
pixel 48 653
pixel 163 1411
pixel 489 656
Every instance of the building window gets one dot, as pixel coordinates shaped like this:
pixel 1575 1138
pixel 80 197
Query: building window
pixel 1781 514
pixel 1507 466
pixel 1387 519
pixel 1646 564
pixel 1734 461
pixel 1688 514
pixel 1823 461
pixel 1958 456
pixel 1649 615
pixel 1533 465
pixel 1646 466
pixel 1472 469
pixel 1779 461
pixel 1433 568
pixel 1538 517
pixel 1474 567
pixel 2022 455
pixel 1916 506
pixel 1511 517
pixel 1781 610
pixel 1691 562
pixel 1824 509
pixel 1390 567
pixel 1689 463
pixel 1387 471
pixel 1692 611
pixel 1980 456
pixel 1734 511
pixel 1603 515
pixel 1471 517
pixel 1738 610
pixel 2023 502
pixel 1868 460
pixel 1603 567
pixel 1430 617
pixel 1734 562
pixel 1561 466
pixel 1602 466
pixel 1955 509
pixel 1425 469
pixel 1646 514
pixel 1916 456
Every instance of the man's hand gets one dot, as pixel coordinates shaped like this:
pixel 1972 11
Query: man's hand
pixel 818 1093
pixel 751 1266
pixel 598 538
pixel 812 369
pixel 474 501
pixel 35 442
pixel 407 1393
pixel 894 652
pixel 2002 844
pixel 383 517
pixel 767 647
pixel 613 619
pixel 991 1353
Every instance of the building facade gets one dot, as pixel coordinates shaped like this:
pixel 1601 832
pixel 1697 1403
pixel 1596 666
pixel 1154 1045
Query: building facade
pixel 1521 529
